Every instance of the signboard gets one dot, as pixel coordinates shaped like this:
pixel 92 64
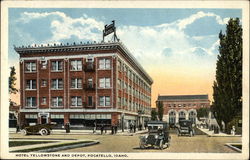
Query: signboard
pixel 108 29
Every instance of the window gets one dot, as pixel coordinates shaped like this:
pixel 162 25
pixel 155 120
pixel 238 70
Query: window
pixel 90 83
pixel 104 101
pixel 44 101
pixel 57 65
pixel 44 64
pixel 57 101
pixel 119 84
pixel 30 66
pixel 90 101
pixel 76 65
pixel 119 65
pixel 76 83
pixel 44 83
pixel 119 101
pixel 31 84
pixel 31 101
pixel 104 64
pixel 104 82
pixel 76 101
pixel 57 84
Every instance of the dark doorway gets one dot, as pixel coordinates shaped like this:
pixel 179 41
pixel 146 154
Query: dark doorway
pixel 43 119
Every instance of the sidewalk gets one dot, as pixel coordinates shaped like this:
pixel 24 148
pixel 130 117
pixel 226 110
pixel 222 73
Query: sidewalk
pixel 220 134
pixel 87 132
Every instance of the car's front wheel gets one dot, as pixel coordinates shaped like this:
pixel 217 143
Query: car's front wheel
pixel 24 132
pixel 44 132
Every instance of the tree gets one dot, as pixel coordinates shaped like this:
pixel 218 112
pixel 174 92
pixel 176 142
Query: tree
pixel 228 84
pixel 153 115
pixel 12 81
pixel 160 110
pixel 202 112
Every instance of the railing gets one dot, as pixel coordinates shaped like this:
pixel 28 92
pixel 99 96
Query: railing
pixel 89 86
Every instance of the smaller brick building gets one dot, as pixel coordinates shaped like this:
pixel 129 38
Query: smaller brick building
pixel 178 107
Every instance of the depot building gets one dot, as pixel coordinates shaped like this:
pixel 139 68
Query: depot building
pixel 182 107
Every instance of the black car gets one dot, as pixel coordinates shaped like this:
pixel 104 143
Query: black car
pixel 43 129
pixel 185 128
pixel 158 135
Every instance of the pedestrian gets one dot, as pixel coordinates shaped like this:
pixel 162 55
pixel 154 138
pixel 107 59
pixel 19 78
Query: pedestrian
pixel 94 129
pixel 140 127
pixel 134 128
pixel 146 125
pixel 233 130
pixel 112 129
pixel 67 128
pixel 17 128
pixel 130 127
pixel 102 128
pixel 115 129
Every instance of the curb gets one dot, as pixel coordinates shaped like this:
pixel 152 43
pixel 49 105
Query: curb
pixel 232 147
pixel 219 135
pixel 68 147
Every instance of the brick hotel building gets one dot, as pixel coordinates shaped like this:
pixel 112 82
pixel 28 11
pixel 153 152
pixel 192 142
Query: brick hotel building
pixel 82 84
pixel 178 107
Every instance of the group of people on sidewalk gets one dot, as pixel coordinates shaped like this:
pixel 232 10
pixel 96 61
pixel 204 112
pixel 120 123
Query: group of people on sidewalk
pixel 114 128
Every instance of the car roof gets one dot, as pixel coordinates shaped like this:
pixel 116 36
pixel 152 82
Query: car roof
pixel 157 122
pixel 184 120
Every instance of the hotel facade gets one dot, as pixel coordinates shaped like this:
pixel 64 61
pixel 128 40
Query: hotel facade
pixel 182 107
pixel 83 84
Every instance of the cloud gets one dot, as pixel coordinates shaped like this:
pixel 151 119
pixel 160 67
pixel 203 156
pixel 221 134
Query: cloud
pixel 165 42
pixel 183 23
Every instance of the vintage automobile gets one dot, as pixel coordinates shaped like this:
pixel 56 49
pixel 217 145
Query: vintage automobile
pixel 185 128
pixel 43 129
pixel 158 135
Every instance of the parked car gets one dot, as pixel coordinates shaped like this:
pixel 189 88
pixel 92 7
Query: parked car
pixel 185 128
pixel 43 129
pixel 158 135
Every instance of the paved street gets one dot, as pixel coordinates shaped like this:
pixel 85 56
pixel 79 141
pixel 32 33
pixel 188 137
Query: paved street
pixel 120 143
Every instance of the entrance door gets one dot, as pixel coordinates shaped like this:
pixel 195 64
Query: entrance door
pixel 43 119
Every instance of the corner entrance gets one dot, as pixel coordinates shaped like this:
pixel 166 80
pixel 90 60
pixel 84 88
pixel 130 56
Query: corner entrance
pixel 44 117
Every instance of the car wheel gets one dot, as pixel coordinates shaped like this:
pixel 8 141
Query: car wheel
pixel 24 132
pixel 43 132
pixel 141 144
pixel 161 144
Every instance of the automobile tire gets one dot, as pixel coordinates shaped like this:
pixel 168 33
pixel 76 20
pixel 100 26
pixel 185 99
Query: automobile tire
pixel 44 132
pixel 161 144
pixel 24 132
pixel 142 145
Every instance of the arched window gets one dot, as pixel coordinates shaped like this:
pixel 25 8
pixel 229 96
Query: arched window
pixel 192 117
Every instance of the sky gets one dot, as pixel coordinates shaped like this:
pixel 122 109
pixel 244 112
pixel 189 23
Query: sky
pixel 177 47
